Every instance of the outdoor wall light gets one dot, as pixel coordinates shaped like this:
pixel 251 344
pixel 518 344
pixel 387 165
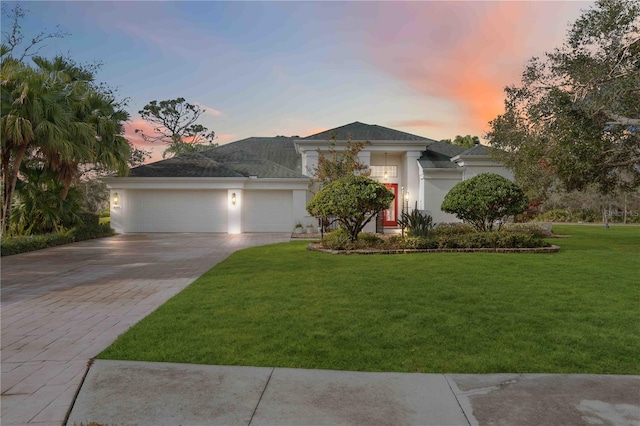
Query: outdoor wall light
pixel 233 198
pixel 116 199
pixel 386 172
pixel 406 195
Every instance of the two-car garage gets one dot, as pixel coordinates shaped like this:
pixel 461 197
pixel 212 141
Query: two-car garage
pixel 206 210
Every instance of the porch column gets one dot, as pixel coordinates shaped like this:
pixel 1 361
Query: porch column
pixel 234 211
pixel 299 207
pixel 412 178
pixel 309 162
pixel 365 157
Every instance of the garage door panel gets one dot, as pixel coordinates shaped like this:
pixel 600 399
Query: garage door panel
pixel 178 211
pixel 268 211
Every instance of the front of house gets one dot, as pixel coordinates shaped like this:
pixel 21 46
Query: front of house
pixel 262 184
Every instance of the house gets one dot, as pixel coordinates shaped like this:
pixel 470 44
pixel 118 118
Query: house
pixel 262 184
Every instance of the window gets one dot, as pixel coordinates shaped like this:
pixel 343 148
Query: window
pixel 379 171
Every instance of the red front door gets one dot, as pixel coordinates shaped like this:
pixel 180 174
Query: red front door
pixel 391 214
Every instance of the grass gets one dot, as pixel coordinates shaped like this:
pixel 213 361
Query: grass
pixel 576 311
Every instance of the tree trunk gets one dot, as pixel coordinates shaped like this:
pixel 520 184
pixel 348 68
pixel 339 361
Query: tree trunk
pixel 9 189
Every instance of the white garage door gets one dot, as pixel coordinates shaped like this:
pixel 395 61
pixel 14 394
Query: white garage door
pixel 177 211
pixel 268 211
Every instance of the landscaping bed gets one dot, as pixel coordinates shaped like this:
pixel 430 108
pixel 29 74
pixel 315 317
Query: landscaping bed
pixel 449 237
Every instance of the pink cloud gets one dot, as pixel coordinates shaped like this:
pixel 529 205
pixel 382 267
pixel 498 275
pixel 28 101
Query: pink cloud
pixel 465 52
pixel 414 123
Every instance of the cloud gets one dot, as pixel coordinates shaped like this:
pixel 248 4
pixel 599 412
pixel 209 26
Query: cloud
pixel 210 111
pixel 224 138
pixel 414 123
pixel 464 52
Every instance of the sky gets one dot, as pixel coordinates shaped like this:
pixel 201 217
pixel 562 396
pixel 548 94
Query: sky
pixel 435 69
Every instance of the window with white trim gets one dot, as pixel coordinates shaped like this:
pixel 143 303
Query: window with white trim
pixel 379 171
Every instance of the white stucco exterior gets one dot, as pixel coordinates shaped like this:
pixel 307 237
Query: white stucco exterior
pixel 207 204
pixel 422 176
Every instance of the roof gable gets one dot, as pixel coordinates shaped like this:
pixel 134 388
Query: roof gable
pixel 365 132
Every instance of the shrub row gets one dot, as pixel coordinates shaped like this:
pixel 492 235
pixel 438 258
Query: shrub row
pixel 446 238
pixel 25 243
pixel 87 228
pixel 585 215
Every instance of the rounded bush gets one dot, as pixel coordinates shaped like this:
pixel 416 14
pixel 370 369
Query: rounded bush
pixel 485 199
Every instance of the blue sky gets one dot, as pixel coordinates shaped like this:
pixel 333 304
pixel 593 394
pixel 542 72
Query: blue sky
pixel 436 69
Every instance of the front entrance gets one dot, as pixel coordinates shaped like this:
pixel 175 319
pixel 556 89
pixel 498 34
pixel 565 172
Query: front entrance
pixel 391 214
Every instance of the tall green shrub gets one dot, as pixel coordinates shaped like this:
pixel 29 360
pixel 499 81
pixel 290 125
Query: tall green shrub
pixel 485 199
pixel 352 200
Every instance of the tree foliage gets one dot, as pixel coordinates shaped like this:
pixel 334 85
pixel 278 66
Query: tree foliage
pixel 338 163
pixel 485 199
pixel 352 200
pixel 463 141
pixel 575 118
pixel 38 207
pixel 175 124
pixel 54 115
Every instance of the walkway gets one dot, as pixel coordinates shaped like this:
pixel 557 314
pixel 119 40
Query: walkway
pixel 63 305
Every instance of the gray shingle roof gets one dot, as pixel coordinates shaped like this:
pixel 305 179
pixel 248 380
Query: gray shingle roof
pixel 261 157
pixel 438 156
pixel 277 157
pixel 365 132
pixel 194 164
pixel 476 150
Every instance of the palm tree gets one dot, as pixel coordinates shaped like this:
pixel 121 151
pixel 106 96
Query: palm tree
pixel 55 114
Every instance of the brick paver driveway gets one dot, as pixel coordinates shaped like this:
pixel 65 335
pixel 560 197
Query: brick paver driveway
pixel 62 306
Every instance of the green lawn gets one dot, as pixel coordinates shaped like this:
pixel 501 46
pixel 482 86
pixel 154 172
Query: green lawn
pixel 576 311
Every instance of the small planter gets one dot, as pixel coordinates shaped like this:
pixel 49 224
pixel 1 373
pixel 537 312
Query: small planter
pixel 297 230
pixel 310 229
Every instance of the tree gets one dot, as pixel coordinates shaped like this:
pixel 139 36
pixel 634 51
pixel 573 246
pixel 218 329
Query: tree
pixel 340 163
pixel 485 199
pixel 463 141
pixel 575 118
pixel 352 200
pixel 53 113
pixel 174 123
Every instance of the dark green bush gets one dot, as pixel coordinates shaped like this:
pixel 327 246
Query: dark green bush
pixel 22 244
pixel 367 240
pixel 494 239
pixel 87 227
pixel 421 243
pixel 337 240
pixel 452 229
pixel 484 200
pixel 89 219
pixel 82 233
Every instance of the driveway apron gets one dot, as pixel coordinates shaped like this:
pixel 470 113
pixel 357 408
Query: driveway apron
pixel 62 306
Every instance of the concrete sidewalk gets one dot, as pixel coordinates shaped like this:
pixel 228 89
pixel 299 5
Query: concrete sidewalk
pixel 142 393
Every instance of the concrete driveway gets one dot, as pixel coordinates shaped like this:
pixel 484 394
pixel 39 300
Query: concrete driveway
pixel 63 305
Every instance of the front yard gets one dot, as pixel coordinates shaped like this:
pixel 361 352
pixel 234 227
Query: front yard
pixel 576 311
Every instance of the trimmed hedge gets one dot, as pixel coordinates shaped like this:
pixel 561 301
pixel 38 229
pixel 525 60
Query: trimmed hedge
pixel 456 237
pixel 22 244
pixel 88 228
